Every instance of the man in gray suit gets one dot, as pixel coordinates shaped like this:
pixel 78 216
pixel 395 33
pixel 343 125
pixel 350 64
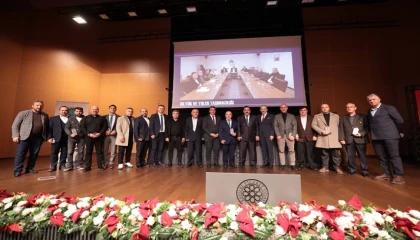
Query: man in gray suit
pixel 353 134
pixel 29 130
pixel 285 129
pixel 386 129
pixel 111 136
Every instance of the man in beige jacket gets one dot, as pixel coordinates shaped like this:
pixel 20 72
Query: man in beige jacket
pixel 125 138
pixel 326 125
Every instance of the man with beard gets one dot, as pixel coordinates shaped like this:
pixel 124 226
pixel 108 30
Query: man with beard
pixel 76 137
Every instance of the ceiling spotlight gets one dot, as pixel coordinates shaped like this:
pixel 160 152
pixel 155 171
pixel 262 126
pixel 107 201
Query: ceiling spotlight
pixel 79 20
pixel 132 14
pixel 162 11
pixel 308 1
pixel 191 9
pixel 271 3
pixel 104 16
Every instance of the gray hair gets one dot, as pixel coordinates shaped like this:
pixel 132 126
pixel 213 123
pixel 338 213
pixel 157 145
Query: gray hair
pixel 372 95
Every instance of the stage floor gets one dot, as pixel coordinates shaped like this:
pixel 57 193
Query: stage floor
pixel 189 183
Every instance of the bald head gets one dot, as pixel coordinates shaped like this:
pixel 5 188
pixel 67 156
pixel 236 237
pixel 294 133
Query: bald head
pixel 94 110
pixel 143 112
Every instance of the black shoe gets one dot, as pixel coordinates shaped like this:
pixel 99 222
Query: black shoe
pixel 49 170
pixel 265 165
pixel 351 173
pixel 295 168
pixel 154 165
pixel 216 164
pixel 33 171
pixel 200 165
pixel 282 167
pixel 87 169
pixel 189 165
pixel 66 169
pixel 233 165
pixel 271 166
pixel 168 165
pixel 158 163
pixel 366 175
pixel 314 168
pixel 17 174
pixel 225 165
pixel 101 168
pixel 180 165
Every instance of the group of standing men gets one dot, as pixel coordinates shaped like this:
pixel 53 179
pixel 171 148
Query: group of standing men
pixel 326 130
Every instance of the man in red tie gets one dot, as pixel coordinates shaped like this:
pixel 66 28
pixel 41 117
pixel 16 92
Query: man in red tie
pixel 211 136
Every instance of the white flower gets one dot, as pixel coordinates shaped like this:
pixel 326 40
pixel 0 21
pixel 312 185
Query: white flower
pixel 8 205
pixel 224 238
pixel 63 204
pixel 132 218
pixel 319 226
pixel 119 225
pixel 113 203
pixel 100 204
pixel 133 205
pixel 84 214
pixel 158 205
pixel 85 199
pixel 368 219
pixel 54 201
pixel 344 222
pixel 40 200
pixel 389 219
pixel 135 212
pixel 1 204
pixel 186 225
pixel 82 204
pixel 277 210
pixel 377 217
pixel 94 208
pixel 194 214
pixel 261 204
pixel 69 212
pixel 255 219
pixel 231 207
pixel 71 207
pixel 279 230
pixel 222 220
pixel 417 233
pixel 140 217
pixel 383 234
pixel 341 202
pixel 97 220
pixel 310 218
pixel 17 209
pixel 330 207
pixel 21 203
pixel 150 221
pixel 27 211
pixel 231 214
pixel 172 212
pixel 304 208
pixel 56 211
pixel 102 213
pixel 373 230
pixel 414 213
pixel 324 236
pixel 38 217
pixel 234 226
pixel 125 210
pixel 109 199
pixel 8 200
pixel 184 211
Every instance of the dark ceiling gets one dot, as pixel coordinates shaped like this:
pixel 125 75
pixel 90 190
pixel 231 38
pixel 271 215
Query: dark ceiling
pixel 117 10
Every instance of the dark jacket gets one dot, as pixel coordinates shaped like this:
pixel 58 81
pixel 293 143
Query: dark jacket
pixel 57 129
pixel 266 127
pixel 209 127
pixel 154 127
pixel 386 124
pixel 170 125
pixel 224 131
pixel 345 129
pixel 72 123
pixel 247 133
pixel 141 129
pixel 308 133
pixel 190 135
pixel 114 126
pixel 91 124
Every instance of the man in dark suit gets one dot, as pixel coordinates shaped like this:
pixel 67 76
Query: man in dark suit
pixel 352 133
pixel 111 136
pixel 58 138
pixel 157 134
pixel 266 136
pixel 305 138
pixel 193 136
pixel 247 132
pixel 174 135
pixel 227 133
pixel 142 138
pixel 29 130
pixel 76 136
pixel 386 129
pixel 94 127
pixel 211 136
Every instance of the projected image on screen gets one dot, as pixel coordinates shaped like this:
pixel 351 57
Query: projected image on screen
pixel 234 77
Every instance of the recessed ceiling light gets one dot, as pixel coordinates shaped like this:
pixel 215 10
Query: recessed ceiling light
pixel 162 11
pixel 104 16
pixel 308 1
pixel 79 20
pixel 132 14
pixel 191 9
pixel 271 3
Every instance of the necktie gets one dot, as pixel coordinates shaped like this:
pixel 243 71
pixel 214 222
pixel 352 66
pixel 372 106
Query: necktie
pixel 229 124
pixel 110 122
pixel 214 120
pixel 263 117
pixel 247 121
pixel 161 123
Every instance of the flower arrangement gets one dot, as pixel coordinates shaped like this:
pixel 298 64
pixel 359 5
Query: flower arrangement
pixel 126 219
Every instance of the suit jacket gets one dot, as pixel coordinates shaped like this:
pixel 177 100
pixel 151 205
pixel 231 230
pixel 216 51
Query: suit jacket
pixel 319 125
pixel 224 131
pixel 210 127
pixel 154 127
pixel 247 133
pixel 285 129
pixel 141 129
pixel 190 134
pixel 114 126
pixel 72 123
pixel 169 126
pixel 266 127
pixel 22 125
pixel 386 124
pixel 308 133
pixel 345 129
pixel 123 130
pixel 57 129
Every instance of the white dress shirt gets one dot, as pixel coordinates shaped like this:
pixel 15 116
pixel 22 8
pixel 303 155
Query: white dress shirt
pixel 64 118
pixel 147 120
pixel 78 119
pixel 304 121
pixel 373 110
pixel 194 121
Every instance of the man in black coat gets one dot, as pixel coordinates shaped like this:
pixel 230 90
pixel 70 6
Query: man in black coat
pixel 353 134
pixel 58 138
pixel 386 129
pixel 228 130
pixel 211 136
pixel 247 132
pixel 265 136
pixel 157 134
pixel 76 136
pixel 142 138
pixel 174 136
pixel 193 136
